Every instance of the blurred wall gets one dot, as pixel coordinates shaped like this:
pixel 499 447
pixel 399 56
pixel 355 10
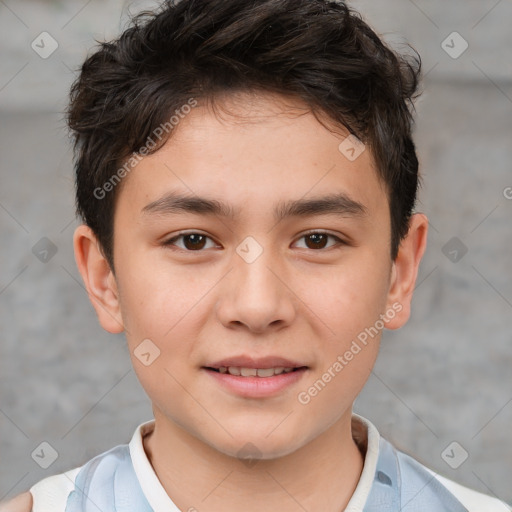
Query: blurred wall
pixel 446 377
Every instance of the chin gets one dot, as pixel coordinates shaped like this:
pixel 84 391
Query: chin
pixel 259 445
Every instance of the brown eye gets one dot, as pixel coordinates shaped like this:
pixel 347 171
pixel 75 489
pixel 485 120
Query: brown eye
pixel 319 240
pixel 190 241
pixel 194 242
pixel 316 241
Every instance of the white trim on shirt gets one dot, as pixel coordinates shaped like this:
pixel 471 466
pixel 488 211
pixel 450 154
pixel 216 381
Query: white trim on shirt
pixel 150 484
pixel 472 500
pixel 360 496
pixel 52 492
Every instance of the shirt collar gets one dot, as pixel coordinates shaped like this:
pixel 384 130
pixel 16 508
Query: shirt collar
pixel 367 438
pixel 365 435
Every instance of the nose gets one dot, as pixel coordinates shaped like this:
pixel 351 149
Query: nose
pixel 255 296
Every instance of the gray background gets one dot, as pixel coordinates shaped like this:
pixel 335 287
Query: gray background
pixel 444 377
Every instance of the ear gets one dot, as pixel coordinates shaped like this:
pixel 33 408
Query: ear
pixel 98 278
pixel 405 270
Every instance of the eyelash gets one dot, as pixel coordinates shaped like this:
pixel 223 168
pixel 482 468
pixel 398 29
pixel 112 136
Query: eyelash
pixel 339 241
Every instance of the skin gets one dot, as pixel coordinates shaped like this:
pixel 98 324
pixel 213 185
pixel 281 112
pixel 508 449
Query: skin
pixel 21 503
pixel 295 300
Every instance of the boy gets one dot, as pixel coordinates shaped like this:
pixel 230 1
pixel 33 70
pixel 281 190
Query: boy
pixel 246 176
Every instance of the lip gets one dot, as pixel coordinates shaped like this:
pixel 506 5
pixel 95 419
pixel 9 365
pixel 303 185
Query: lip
pixel 250 362
pixel 256 387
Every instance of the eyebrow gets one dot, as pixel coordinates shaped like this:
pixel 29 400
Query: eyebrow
pixel 175 203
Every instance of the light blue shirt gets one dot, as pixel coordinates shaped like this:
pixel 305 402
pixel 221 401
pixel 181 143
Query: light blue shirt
pixel 109 483
pixel 123 480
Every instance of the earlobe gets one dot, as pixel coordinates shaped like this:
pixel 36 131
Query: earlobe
pixel 98 278
pixel 405 270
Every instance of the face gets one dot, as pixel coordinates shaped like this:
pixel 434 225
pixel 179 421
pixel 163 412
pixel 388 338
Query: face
pixel 252 241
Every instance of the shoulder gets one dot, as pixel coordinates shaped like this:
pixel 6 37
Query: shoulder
pixel 52 493
pixel 21 503
pixel 414 473
pixel 474 501
pixel 67 491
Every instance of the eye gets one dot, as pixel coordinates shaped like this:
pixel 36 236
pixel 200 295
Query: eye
pixel 319 240
pixel 191 241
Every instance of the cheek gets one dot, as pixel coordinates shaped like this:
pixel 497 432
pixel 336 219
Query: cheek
pixel 157 298
pixel 348 297
pixel 343 371
pixel 168 308
pixel 161 312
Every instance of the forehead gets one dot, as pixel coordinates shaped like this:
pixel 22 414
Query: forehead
pixel 255 148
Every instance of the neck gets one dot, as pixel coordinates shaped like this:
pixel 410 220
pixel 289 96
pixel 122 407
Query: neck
pixel 321 475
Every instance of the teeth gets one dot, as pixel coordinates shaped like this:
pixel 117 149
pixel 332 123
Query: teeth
pixel 247 372
pixel 253 372
pixel 266 372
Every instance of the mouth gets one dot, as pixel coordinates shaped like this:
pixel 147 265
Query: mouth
pixel 250 377
pixel 256 383
pixel 248 366
pixel 240 371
